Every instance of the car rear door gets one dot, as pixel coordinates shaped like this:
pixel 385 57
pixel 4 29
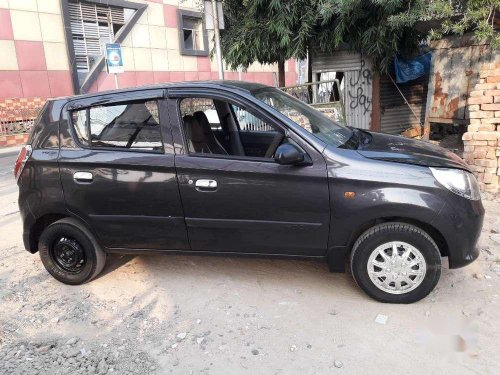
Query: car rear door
pixel 250 205
pixel 117 170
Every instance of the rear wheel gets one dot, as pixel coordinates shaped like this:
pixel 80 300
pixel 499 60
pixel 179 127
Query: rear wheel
pixel 70 253
pixel 396 263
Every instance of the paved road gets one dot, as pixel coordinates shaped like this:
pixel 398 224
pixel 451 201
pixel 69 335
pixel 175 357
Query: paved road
pixel 7 160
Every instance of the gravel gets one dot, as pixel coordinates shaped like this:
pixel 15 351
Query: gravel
pixel 239 315
pixel 182 335
pixel 59 357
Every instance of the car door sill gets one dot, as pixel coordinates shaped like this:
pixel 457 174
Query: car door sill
pixel 245 224
pixel 215 253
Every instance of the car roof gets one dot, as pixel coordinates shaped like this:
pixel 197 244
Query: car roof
pixel 228 84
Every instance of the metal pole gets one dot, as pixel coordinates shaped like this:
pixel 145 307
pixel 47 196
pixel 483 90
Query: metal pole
pixel 111 41
pixel 406 101
pixel 217 39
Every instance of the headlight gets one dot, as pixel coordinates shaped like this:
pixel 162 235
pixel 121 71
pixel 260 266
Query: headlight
pixel 458 181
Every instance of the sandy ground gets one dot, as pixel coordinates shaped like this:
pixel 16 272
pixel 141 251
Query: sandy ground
pixel 212 315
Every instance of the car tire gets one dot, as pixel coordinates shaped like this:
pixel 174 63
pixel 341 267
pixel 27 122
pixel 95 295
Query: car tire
pixel 396 263
pixel 70 253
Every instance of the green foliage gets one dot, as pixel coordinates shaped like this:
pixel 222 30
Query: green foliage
pixel 269 31
pixel 477 16
pixel 377 28
pixel 266 31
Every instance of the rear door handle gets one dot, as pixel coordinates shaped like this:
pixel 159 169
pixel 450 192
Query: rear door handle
pixel 206 185
pixel 85 177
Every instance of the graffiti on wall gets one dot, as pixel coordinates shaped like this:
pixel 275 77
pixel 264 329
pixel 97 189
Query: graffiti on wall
pixel 359 89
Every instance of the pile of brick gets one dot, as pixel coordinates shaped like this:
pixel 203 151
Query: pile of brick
pixel 481 142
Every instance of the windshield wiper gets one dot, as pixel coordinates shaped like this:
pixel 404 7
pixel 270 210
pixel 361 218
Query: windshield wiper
pixel 353 142
pixel 363 136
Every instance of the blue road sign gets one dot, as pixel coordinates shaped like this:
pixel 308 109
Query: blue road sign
pixel 114 59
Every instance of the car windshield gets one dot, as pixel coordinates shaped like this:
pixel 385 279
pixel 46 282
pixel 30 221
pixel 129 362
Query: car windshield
pixel 305 116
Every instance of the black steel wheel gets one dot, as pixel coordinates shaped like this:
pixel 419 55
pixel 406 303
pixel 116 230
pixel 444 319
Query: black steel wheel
pixel 70 253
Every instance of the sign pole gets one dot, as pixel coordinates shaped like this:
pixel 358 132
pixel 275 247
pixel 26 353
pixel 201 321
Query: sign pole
pixel 116 81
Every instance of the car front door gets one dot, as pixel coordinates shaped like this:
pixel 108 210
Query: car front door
pixel 234 202
pixel 117 170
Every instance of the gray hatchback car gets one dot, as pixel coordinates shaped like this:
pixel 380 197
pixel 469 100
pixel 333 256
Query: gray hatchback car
pixel 239 168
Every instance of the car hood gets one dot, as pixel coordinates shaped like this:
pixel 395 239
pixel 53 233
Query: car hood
pixel 409 151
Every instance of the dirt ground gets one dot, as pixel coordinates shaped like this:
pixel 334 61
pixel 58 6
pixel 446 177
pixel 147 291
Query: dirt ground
pixel 213 315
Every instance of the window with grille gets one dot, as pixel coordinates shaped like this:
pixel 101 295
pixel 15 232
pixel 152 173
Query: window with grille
pixel 92 26
pixel 193 34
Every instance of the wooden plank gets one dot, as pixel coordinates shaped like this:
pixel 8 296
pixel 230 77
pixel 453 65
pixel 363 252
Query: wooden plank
pixel 443 120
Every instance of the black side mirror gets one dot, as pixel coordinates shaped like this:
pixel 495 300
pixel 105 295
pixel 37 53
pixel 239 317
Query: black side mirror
pixel 288 154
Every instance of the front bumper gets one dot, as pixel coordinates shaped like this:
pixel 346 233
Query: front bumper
pixel 460 222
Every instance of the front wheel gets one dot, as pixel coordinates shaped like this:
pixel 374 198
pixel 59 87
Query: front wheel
pixel 396 263
pixel 70 253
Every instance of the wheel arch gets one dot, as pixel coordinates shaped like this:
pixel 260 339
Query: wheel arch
pixel 43 222
pixel 39 226
pixel 431 230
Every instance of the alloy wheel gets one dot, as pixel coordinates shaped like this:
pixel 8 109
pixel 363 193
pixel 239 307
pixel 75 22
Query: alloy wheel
pixel 396 267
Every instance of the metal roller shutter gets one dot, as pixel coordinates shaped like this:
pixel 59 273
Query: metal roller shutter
pixel 395 115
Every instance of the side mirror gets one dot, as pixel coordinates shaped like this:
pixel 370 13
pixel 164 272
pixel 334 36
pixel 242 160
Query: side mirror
pixel 288 154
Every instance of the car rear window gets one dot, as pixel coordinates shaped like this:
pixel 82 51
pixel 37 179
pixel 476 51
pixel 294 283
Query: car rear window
pixel 133 125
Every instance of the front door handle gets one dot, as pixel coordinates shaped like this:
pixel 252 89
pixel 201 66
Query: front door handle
pixel 206 185
pixel 85 177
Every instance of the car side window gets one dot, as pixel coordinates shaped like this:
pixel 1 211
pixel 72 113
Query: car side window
pixel 131 125
pixel 79 119
pixel 218 127
pixel 249 122
pixel 190 106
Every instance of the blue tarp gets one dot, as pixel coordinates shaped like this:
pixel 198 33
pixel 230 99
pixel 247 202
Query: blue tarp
pixel 408 70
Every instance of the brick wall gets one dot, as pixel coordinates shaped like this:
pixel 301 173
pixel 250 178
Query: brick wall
pixel 481 142
pixel 16 119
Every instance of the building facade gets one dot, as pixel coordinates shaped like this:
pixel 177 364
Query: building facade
pixel 55 48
